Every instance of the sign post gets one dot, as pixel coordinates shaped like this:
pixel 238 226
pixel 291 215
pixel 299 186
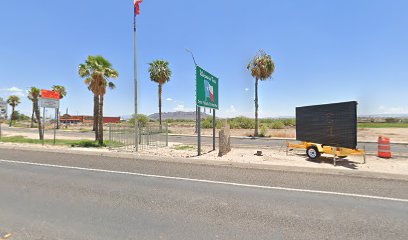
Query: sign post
pixel 49 99
pixel 214 126
pixel 207 97
pixel 43 130
pixel 3 112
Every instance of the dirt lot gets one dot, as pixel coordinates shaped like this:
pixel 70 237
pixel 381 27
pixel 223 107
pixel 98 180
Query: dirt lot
pixel 397 135
pixel 363 134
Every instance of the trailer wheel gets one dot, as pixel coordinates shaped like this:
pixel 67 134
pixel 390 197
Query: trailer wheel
pixel 312 152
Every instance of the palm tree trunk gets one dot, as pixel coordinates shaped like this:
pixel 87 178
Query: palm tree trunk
pixel 32 118
pixel 100 121
pixel 38 117
pixel 12 116
pixel 256 108
pixel 160 104
pixel 95 116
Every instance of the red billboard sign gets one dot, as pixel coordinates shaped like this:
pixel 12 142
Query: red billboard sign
pixel 50 94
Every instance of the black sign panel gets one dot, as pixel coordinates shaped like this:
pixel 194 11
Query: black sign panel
pixel 329 124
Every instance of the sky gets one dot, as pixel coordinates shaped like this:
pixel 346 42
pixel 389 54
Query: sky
pixel 324 52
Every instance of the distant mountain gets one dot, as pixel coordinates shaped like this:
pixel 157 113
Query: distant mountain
pixel 126 117
pixel 177 115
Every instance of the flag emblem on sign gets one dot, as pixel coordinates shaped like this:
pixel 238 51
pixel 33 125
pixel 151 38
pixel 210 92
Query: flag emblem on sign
pixel 209 91
pixel 137 6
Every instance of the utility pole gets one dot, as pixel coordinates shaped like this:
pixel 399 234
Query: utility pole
pixel 196 108
pixel 197 112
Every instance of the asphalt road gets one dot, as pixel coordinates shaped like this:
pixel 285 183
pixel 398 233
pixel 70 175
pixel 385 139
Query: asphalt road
pixel 94 197
pixel 401 149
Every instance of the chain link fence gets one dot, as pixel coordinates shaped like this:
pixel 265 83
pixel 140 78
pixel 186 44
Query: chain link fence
pixel 123 137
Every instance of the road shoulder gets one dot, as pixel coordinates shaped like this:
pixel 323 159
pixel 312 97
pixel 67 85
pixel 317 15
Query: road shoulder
pixel 200 161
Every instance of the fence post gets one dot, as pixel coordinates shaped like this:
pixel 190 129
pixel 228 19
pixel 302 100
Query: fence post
pixel 149 134
pixel 167 134
pixel 110 136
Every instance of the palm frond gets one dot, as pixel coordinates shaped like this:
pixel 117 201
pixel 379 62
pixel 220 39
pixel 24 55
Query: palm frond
pixel 97 71
pixel 160 71
pixel 262 66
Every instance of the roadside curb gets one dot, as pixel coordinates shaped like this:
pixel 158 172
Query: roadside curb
pixel 193 160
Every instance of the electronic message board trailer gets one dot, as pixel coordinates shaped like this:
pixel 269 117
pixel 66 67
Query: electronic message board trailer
pixel 327 128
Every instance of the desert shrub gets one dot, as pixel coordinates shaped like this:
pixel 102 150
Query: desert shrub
pixel 277 125
pixel 170 120
pixel 263 131
pixel 208 123
pixel 142 119
pixel 287 122
pixel 392 120
pixel 290 122
pixel 241 123
pixel 19 116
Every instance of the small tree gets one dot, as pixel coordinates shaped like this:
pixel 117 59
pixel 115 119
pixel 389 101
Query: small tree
pixel 160 73
pixel 29 96
pixel 262 67
pixel 13 101
pixel 34 95
pixel 142 120
pixel 97 71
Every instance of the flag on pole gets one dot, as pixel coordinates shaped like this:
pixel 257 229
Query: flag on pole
pixel 137 7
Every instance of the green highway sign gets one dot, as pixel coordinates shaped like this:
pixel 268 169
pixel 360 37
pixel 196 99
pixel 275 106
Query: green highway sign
pixel 207 89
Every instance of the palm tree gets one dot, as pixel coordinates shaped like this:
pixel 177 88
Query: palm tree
pixel 13 101
pixel 160 73
pixel 34 96
pixel 62 92
pixel 97 71
pixel 29 96
pixel 262 68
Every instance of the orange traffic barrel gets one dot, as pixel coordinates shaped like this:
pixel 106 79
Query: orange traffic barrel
pixel 384 147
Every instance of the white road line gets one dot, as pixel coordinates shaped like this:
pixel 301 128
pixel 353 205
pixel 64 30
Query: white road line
pixel 210 181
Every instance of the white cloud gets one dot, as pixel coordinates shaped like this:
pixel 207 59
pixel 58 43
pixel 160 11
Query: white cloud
pixel 246 89
pixel 392 110
pixel 169 99
pixel 179 107
pixel 14 91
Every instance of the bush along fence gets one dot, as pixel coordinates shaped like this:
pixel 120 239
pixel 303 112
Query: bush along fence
pixel 123 137
pixel 249 123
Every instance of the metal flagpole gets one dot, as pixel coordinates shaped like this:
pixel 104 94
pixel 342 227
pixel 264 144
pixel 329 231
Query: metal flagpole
pixel 135 75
